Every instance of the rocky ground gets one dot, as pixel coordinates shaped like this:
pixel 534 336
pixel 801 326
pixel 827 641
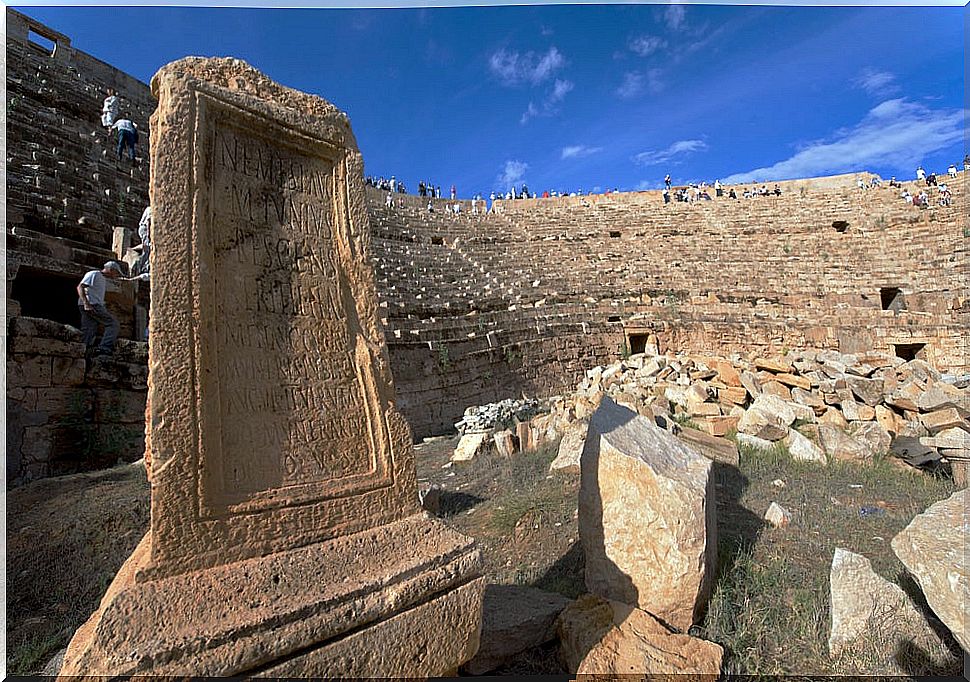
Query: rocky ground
pixel 770 609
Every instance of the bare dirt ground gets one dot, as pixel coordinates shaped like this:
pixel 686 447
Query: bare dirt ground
pixel 67 537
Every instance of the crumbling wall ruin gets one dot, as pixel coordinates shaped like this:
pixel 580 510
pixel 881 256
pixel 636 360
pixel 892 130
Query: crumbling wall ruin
pixel 475 308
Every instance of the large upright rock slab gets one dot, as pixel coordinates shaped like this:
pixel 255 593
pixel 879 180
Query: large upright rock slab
pixel 286 537
pixel 933 547
pixel 868 607
pixel 646 517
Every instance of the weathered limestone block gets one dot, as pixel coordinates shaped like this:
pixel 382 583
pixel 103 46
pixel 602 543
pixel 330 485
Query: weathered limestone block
pixel 286 534
pixel 712 447
pixel 868 391
pixel 794 381
pixel 944 418
pixel 854 411
pixel 776 389
pixel 776 365
pixel 469 446
pixel 802 449
pixel 504 443
pixel 839 445
pixel 727 373
pixel 872 436
pixel 942 395
pixel 617 641
pixel 751 383
pixel 720 426
pixel 646 517
pixel 833 416
pixel 933 549
pixel 570 448
pixel 954 439
pixel 514 618
pixel 755 443
pixel 865 605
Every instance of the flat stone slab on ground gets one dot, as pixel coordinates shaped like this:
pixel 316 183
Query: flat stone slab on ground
pixel 514 618
pixel 617 641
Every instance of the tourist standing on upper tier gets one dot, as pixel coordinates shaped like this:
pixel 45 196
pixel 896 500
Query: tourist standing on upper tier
pixel 109 110
pixel 920 173
pixel 718 190
pixel 127 136
pixel 454 193
pixel 666 194
pixel 952 170
pixel 667 181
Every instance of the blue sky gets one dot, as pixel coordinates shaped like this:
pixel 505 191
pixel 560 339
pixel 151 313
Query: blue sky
pixel 570 97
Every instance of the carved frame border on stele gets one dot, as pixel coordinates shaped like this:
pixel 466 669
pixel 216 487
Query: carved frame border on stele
pixel 271 418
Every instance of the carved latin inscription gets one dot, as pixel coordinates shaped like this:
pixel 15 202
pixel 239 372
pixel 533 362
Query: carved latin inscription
pixel 292 401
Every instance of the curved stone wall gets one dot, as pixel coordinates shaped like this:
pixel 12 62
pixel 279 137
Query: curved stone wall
pixel 478 308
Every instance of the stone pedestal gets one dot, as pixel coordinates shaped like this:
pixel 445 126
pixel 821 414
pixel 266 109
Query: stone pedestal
pixel 400 600
pixel 286 536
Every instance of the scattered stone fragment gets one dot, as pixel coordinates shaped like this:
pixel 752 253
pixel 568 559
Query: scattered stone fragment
pixel 755 443
pixel 839 445
pixel 514 618
pixel 777 365
pixel 944 418
pixel 646 516
pixel 872 436
pixel 955 439
pixel 504 443
pixel 868 391
pixel 612 639
pixel 933 549
pixel 802 449
pixel 469 446
pixel 777 516
pixel 854 411
pixel 570 449
pixel 717 449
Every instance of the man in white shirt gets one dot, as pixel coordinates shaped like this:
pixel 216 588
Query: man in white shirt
pixel 109 110
pixel 90 302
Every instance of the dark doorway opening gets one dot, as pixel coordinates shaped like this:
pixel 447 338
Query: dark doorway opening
pixel 438 241
pixel 638 343
pixel 840 225
pixel 46 295
pixel 892 298
pixel 909 351
pixel 614 234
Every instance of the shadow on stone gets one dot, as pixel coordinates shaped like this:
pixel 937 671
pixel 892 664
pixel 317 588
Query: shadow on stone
pixel 566 575
pixel 452 502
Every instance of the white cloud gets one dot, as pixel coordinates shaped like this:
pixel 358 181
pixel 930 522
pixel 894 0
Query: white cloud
pixel 579 151
pixel 895 134
pixel 514 68
pixel 512 173
pixel 655 157
pixel 647 45
pixel 675 16
pixel 632 85
pixel 635 83
pixel 879 83
pixel 549 106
